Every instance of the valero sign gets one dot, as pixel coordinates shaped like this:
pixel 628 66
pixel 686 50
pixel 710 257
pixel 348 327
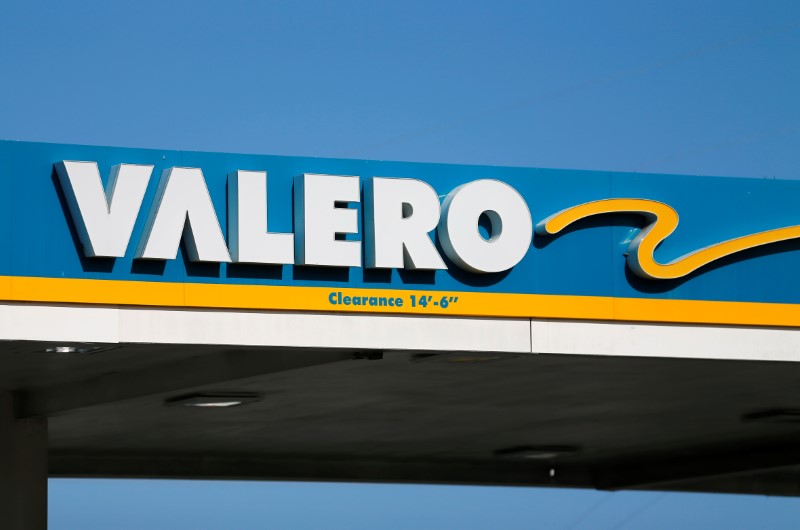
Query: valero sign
pixel 164 228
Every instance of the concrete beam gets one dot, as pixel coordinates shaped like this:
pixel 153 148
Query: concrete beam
pixel 244 467
pixel 674 469
pixel 23 469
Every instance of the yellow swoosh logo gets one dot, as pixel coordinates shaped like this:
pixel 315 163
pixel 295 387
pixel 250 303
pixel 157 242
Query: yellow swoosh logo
pixel 662 220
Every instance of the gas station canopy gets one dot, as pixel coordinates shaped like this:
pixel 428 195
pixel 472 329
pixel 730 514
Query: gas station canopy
pixel 207 315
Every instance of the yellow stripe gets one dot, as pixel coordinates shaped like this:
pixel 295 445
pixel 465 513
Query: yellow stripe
pixel 71 290
pixel 265 297
pixel 707 312
pixel 468 304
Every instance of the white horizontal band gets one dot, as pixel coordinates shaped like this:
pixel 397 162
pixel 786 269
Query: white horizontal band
pixel 142 325
pixel 665 340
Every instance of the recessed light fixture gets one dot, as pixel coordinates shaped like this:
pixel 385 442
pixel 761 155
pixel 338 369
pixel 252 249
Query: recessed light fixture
pixel 536 452
pixel 774 416
pixel 62 349
pixel 79 348
pixel 213 399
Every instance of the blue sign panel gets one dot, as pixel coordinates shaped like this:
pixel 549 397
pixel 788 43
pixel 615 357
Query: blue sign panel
pixel 292 233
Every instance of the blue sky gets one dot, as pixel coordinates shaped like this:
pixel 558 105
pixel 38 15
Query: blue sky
pixel 686 86
pixel 203 505
pixel 694 87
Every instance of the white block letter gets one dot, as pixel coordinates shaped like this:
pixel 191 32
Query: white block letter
pixel 511 226
pixel 247 222
pixel 183 208
pixel 398 214
pixel 318 220
pixel 104 218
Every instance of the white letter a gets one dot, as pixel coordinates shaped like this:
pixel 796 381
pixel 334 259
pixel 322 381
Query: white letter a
pixel 183 207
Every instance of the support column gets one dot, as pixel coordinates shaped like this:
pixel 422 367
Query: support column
pixel 23 469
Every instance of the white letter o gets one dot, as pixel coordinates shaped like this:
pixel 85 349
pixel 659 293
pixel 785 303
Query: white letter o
pixel 511 231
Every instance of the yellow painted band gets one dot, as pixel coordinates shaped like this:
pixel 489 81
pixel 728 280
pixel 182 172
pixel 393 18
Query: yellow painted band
pixel 285 298
pixel 662 221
